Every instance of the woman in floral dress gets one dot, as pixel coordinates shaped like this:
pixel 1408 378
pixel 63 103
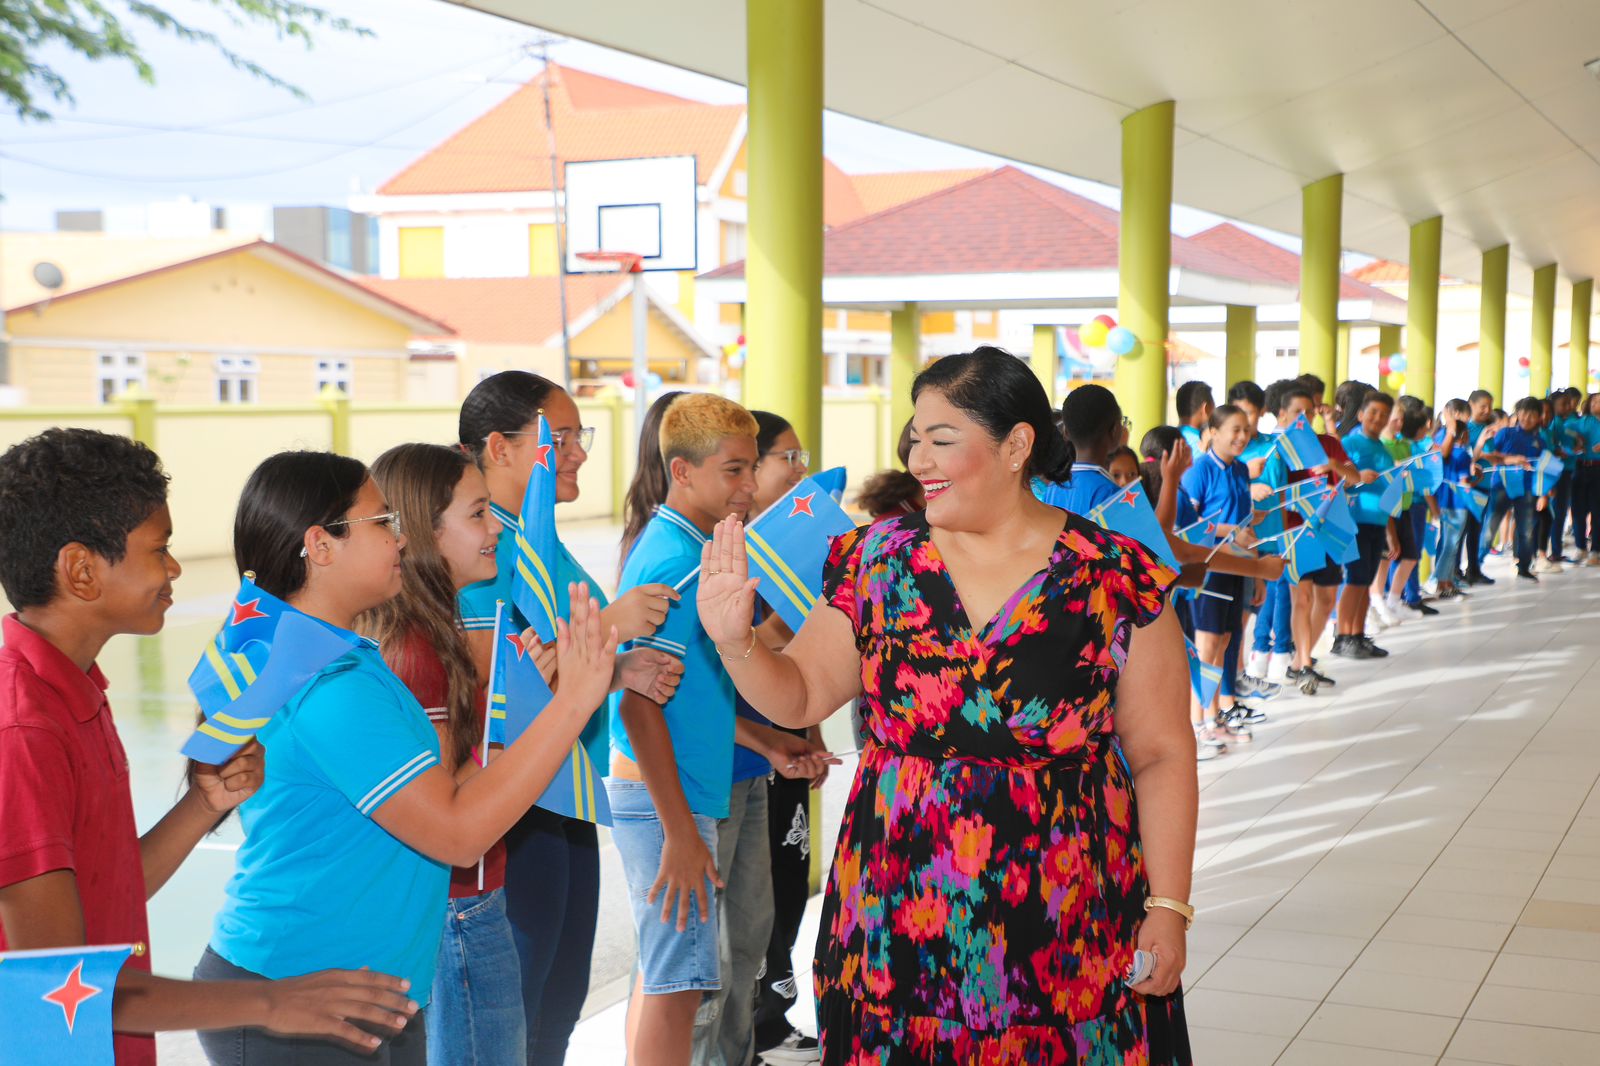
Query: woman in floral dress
pixel 1021 684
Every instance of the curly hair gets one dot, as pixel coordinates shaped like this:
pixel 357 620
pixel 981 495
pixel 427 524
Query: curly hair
pixel 70 486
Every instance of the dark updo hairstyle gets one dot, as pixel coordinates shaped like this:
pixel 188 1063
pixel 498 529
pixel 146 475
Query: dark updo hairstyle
pixel 1089 414
pixel 286 495
pixel 1348 399
pixel 1158 441
pixel 890 492
pixel 648 490
pixel 999 392
pixel 501 403
pixel 769 427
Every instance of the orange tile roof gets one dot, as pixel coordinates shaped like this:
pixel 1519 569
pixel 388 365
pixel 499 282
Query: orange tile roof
pixel 499 310
pixel 507 148
pixel 841 201
pixel 879 192
pixel 1281 263
pixel 1382 271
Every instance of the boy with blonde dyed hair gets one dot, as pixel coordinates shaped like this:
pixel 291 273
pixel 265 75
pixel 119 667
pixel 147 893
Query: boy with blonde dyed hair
pixel 672 764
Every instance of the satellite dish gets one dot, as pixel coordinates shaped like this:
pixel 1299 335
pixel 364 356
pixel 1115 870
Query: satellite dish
pixel 48 275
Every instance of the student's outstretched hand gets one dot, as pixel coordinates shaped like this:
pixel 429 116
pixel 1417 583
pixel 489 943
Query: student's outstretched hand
pixel 1175 460
pixel 544 655
pixel 640 611
pixel 727 595
pixel 652 674
pixel 681 880
pixel 222 788
pixel 326 1004
pixel 584 660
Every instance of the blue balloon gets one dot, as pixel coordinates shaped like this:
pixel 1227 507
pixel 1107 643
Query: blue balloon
pixel 1121 341
pixel 1397 362
pixel 652 380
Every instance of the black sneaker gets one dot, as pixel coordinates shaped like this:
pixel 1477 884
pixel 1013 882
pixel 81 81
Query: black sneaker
pixel 1306 680
pixel 793 1049
pixel 1528 575
pixel 1423 609
pixel 1323 679
pixel 1249 715
pixel 1479 579
pixel 1348 647
pixel 1373 651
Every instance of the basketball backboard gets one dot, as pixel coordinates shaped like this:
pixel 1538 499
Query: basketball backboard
pixel 643 206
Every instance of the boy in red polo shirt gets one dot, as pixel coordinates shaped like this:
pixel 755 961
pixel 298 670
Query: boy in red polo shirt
pixel 84 531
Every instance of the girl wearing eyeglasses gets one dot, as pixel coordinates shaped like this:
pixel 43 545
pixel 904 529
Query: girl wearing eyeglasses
pixel 552 863
pixel 349 841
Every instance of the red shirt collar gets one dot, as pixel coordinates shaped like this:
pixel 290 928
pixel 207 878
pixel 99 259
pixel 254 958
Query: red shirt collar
pixel 83 693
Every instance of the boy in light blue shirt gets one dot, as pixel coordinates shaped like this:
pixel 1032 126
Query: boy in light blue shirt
pixel 1365 447
pixel 1516 445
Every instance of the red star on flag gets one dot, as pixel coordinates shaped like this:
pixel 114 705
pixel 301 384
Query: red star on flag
pixel 542 457
pixel 516 643
pixel 71 995
pixel 1130 497
pixel 243 612
pixel 802 505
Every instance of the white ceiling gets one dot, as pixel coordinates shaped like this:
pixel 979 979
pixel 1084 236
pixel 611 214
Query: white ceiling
pixel 1479 110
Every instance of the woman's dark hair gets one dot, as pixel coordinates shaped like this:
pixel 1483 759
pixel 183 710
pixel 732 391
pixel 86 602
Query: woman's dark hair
pixel 1412 419
pixel 999 392
pixel 1348 398
pixel 902 447
pixel 501 403
pixel 286 495
pixel 890 492
pixel 70 486
pixel 1090 414
pixel 1158 442
pixel 419 481
pixel 1250 393
pixel 648 489
pixel 769 427
pixel 1221 414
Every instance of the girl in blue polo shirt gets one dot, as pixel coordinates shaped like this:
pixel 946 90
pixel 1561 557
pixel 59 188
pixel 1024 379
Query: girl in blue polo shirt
pixel 1455 451
pixel 1217 487
pixel 1516 445
pixel 349 841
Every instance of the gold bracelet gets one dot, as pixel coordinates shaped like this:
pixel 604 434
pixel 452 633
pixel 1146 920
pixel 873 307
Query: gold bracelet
pixel 1170 904
pixel 747 652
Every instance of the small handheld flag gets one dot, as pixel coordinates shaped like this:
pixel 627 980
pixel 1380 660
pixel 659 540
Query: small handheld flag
pixel 1335 525
pixel 1394 492
pixel 1546 472
pixel 1129 513
pixel 55 1005
pixel 832 481
pixel 265 652
pixel 1300 446
pixel 517 693
pixel 1430 471
pixel 788 547
pixel 1204 678
pixel 1202 533
pixel 1306 555
pixel 1513 479
pixel 534 590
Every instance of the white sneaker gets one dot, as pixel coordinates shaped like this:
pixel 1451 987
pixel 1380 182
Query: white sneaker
pixel 1375 622
pixel 1550 566
pixel 1385 615
pixel 1256 665
pixel 1278 667
pixel 1208 745
pixel 1391 607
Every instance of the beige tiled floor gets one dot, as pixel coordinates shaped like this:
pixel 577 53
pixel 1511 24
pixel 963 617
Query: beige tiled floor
pixel 1406 869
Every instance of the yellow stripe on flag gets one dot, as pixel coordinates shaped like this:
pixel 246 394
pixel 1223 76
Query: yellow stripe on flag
pixel 545 599
pixel 577 780
pixel 216 734
pixel 220 667
pixel 794 579
pixel 245 669
pixel 527 552
pixel 768 568
pixel 248 724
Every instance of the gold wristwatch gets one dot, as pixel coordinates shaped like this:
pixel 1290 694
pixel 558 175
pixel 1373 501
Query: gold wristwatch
pixel 1172 905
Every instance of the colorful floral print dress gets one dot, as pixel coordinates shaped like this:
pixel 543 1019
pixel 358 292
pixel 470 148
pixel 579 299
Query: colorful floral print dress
pixel 989 881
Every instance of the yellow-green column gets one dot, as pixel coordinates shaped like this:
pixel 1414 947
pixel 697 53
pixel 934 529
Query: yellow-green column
pixel 1388 344
pixel 1042 358
pixel 1582 312
pixel 1422 308
pixel 783 316
pixel 905 360
pixel 1145 263
pixel 1341 352
pixel 1321 222
pixel 1240 363
pixel 1492 323
pixel 1541 355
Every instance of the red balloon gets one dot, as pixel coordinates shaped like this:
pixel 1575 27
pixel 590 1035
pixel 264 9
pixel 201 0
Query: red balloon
pixel 1383 367
pixel 628 380
pixel 740 341
pixel 1524 361
pixel 1107 321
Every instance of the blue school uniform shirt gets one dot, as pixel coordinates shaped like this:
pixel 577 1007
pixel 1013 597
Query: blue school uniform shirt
pixel 1089 487
pixel 1474 431
pixel 1216 490
pixel 1587 428
pixel 1261 444
pixel 699 716
pixel 1457 468
pixel 317 883
pixel 1368 453
pixel 477 602
pixel 1514 440
pixel 1192 435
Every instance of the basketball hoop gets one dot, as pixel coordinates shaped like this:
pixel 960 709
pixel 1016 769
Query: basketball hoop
pixel 623 262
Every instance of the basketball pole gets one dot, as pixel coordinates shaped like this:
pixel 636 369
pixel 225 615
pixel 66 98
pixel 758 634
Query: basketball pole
pixel 641 361
pixel 557 211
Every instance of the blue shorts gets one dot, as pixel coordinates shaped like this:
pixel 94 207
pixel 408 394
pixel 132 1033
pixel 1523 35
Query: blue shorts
pixel 1213 613
pixel 1373 542
pixel 669 961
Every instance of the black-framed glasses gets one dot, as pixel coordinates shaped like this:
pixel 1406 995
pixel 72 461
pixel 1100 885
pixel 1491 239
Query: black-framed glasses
pixel 388 518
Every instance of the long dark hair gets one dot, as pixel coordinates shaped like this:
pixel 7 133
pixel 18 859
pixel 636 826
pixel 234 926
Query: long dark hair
pixel 769 427
pixel 1348 398
pixel 419 481
pixel 501 403
pixel 998 391
pixel 286 495
pixel 648 490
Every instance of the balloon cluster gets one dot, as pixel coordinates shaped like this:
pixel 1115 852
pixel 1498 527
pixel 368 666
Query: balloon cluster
pixel 734 353
pixel 1102 331
pixel 1524 367
pixel 1392 368
pixel 652 380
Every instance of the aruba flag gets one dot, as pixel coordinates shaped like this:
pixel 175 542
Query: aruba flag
pixel 832 481
pixel 1306 554
pixel 1202 533
pixel 1513 479
pixel 1300 446
pixel 55 1005
pixel 517 693
pixel 1394 491
pixel 534 590
pixel 1129 513
pixel 1546 472
pixel 1474 501
pixel 265 652
pixel 1430 471
pixel 1204 678
pixel 788 546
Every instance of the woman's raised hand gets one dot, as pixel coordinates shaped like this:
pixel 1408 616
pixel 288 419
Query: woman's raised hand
pixel 726 598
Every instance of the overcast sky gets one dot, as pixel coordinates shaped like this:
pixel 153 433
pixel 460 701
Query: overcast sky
pixel 215 134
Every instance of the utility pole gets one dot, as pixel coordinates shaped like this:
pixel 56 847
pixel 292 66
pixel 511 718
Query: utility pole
pixel 541 48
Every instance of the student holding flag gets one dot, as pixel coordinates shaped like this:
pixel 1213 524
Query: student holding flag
pixel 552 861
pixel 1586 482
pixel 1364 444
pixel 1455 450
pixel 349 841
pixel 1008 657
pixel 1514 450
pixel 85 555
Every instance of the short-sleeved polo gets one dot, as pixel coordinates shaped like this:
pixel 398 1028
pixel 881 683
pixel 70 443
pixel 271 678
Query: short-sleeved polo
pixel 1514 440
pixel 700 714
pixel 1474 431
pixel 1216 490
pixel 318 884
pixel 1368 453
pixel 1457 468
pixel 1192 435
pixel 1089 487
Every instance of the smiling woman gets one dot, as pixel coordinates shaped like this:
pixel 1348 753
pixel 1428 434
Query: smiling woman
pixel 1024 817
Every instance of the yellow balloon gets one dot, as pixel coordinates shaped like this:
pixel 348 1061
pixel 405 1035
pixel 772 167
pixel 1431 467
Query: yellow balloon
pixel 1397 380
pixel 1093 334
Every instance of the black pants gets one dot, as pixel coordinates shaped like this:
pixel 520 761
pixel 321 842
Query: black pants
pixel 789 822
pixel 254 1047
pixel 1469 541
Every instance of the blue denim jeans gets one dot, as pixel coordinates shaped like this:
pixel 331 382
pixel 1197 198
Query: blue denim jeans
pixel 1522 514
pixel 1560 502
pixel 475 1017
pixel 1272 620
pixel 1452 526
